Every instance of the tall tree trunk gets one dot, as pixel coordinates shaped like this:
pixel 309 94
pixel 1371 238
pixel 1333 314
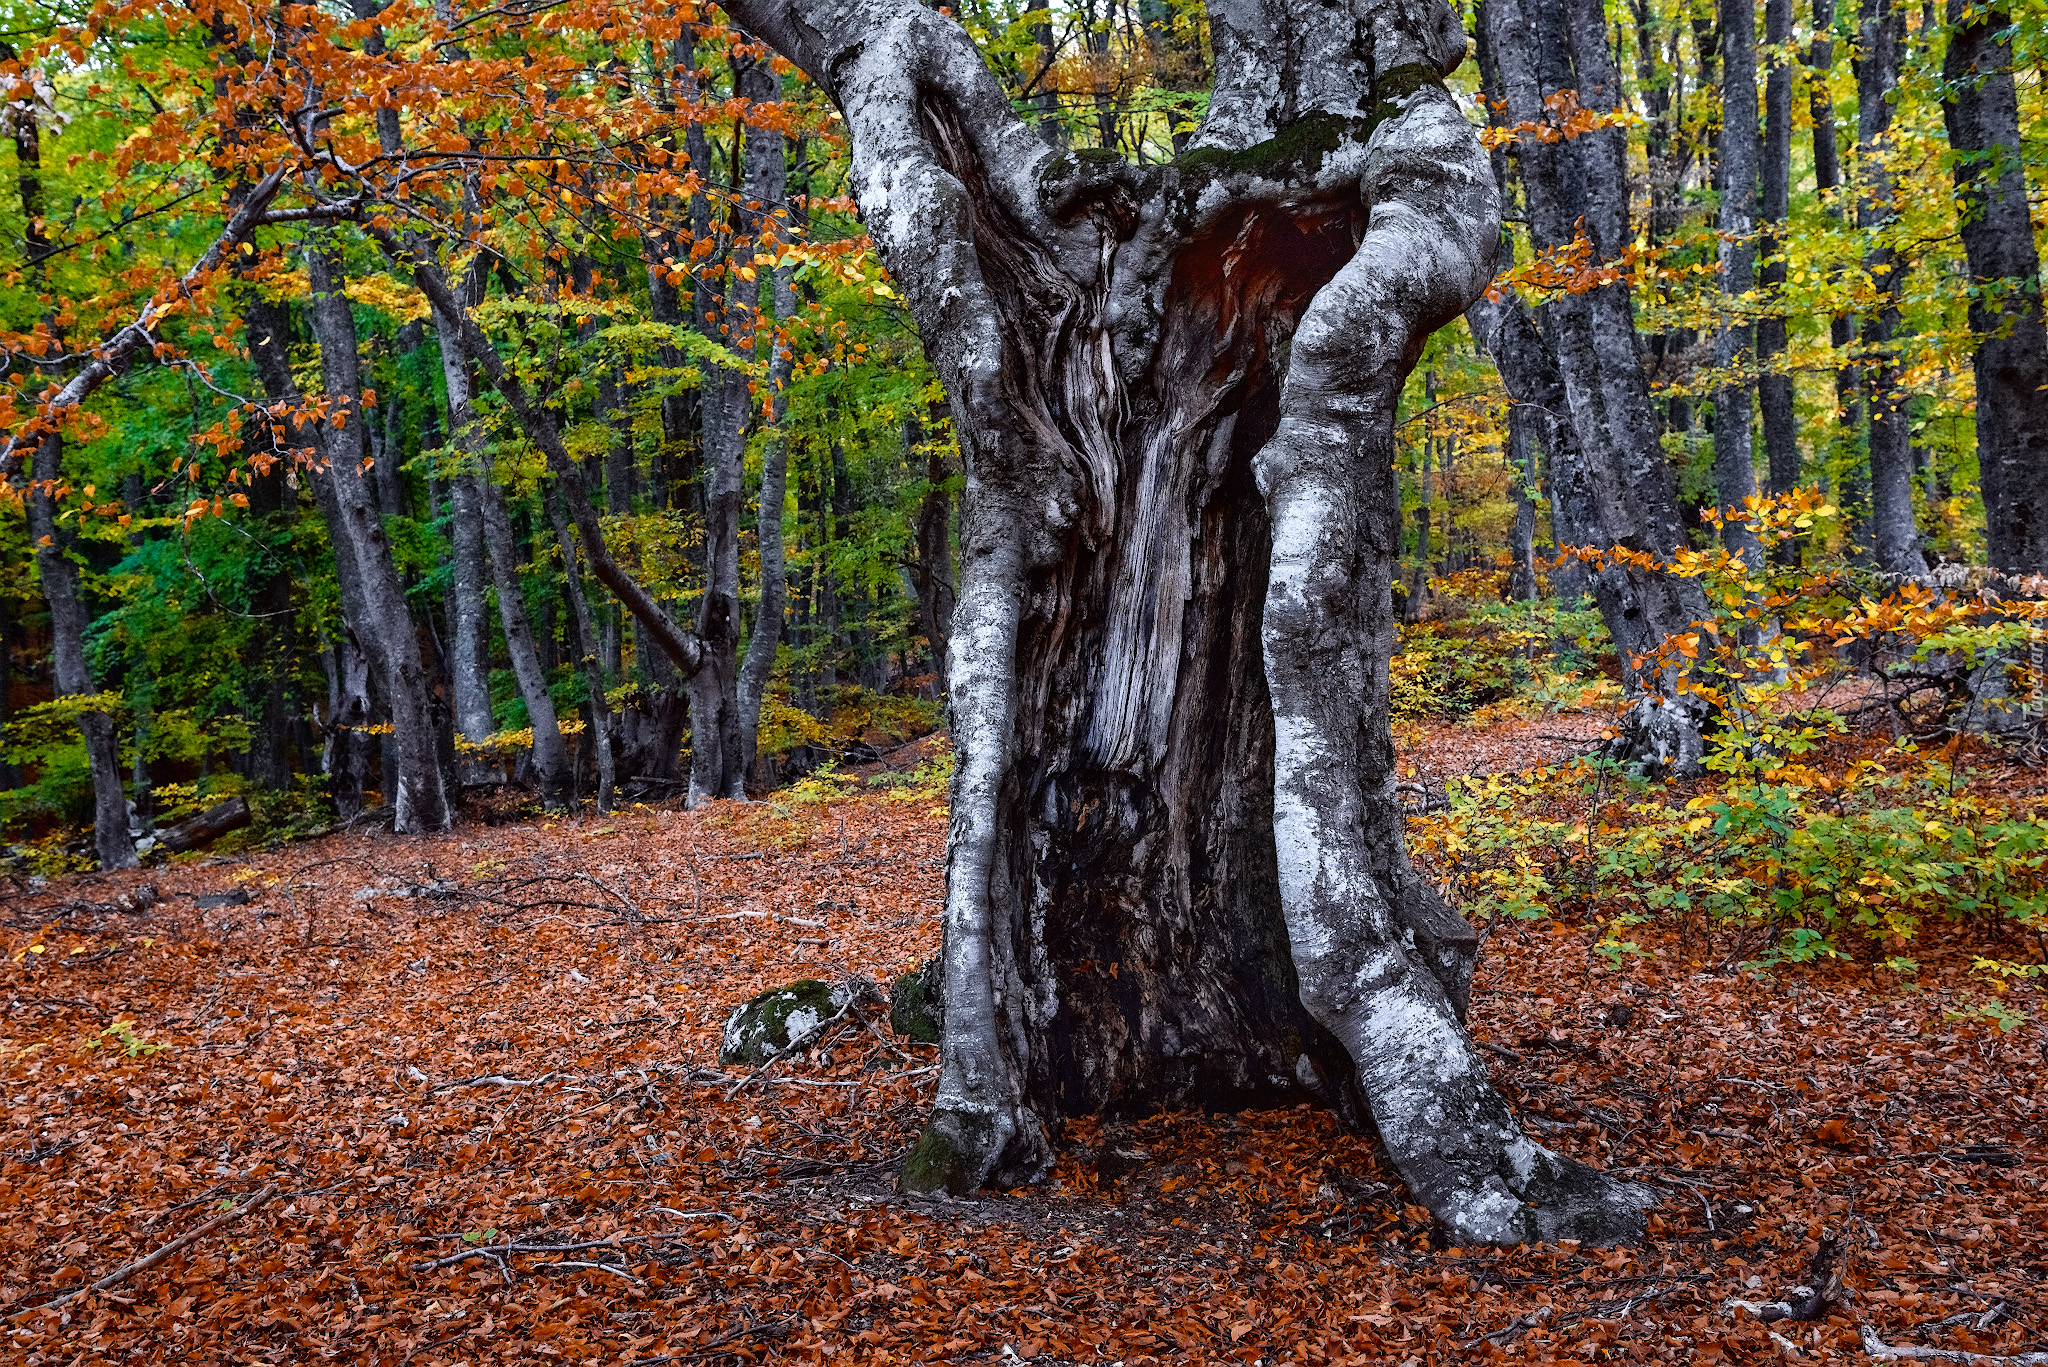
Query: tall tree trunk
pixel 346 742
pixel 73 675
pixel 1521 455
pixel 718 758
pixel 2005 298
pixel 1418 576
pixel 1854 493
pixel 1734 455
pixel 1774 384
pixel 476 567
pixel 54 567
pixel 583 628
pixel 767 186
pixel 421 800
pixel 550 752
pixel 1611 482
pixel 1175 870
pixel 1894 535
pixel 468 668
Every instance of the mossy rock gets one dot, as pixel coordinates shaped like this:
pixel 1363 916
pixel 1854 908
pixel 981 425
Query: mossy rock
pixel 915 1010
pixel 781 1021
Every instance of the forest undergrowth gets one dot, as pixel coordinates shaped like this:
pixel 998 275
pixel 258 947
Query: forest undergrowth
pixel 478 1075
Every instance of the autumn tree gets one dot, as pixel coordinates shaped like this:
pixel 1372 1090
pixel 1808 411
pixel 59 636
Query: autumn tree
pixel 1176 873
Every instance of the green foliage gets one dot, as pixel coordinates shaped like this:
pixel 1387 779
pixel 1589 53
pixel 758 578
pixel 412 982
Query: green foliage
pixel 1499 657
pixel 1792 835
pixel 121 1035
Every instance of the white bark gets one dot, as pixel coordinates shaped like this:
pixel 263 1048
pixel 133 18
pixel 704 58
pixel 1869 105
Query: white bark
pixel 1113 340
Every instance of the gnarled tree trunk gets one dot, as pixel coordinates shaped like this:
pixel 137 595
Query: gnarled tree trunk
pixel 1175 873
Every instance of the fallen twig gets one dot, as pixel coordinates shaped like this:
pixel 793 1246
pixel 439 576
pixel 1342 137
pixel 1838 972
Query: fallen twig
pixel 496 1080
pixel 1884 1352
pixel 512 1246
pixel 149 1260
pixel 1512 1327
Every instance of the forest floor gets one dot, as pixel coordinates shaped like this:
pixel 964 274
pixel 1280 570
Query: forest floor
pixel 480 1074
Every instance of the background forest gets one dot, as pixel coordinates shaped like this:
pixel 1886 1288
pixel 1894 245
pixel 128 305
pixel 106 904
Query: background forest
pixel 671 512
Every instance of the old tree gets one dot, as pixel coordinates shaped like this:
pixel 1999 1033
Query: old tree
pixel 1176 872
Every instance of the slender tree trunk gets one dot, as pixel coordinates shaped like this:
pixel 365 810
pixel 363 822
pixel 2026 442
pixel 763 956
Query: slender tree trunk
pixel 1176 871
pixel 935 587
pixel 72 674
pixel 1418 576
pixel 1774 384
pixel 583 629
pixel 550 751
pixel 1894 534
pixel 767 186
pixel 1734 455
pixel 421 800
pixel 1522 469
pixel 718 756
pixel 54 567
pixel 2005 299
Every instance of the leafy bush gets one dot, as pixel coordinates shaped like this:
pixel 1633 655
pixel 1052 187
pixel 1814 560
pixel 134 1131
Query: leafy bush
pixel 1498 657
pixel 1795 837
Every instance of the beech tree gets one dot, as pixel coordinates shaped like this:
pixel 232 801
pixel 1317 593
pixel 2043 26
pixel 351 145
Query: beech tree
pixel 1176 873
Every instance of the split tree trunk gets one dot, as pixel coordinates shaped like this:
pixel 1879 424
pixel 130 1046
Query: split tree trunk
pixel 2005 307
pixel 1175 873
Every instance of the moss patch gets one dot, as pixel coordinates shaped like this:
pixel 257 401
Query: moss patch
pixel 915 1010
pixel 778 1021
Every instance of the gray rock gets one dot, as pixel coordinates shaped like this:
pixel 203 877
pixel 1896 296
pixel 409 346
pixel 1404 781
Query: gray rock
pixel 786 1019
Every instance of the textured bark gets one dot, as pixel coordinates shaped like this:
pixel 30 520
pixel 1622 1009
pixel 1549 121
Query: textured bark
pixel 1774 385
pixel 1734 455
pixel 2005 299
pixel 767 185
pixel 468 676
pixel 1610 483
pixel 468 668
pixel 420 801
pixel 73 675
pixel 1175 873
pixel 1894 535
pixel 486 556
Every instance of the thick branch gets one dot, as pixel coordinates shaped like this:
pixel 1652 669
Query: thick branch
pixel 117 351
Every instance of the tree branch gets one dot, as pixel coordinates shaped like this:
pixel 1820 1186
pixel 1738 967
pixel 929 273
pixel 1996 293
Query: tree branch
pixel 117 351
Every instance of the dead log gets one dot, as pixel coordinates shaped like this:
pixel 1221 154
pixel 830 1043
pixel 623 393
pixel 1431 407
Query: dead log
pixel 210 825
